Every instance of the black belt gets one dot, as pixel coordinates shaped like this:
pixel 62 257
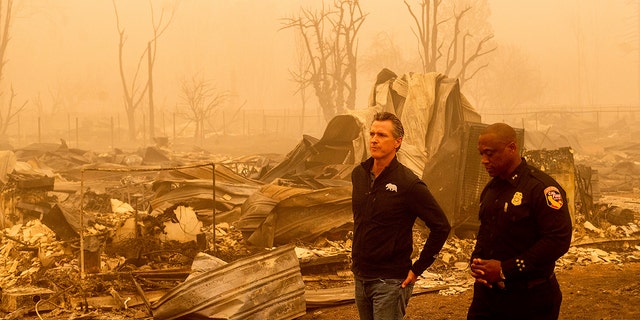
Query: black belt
pixel 528 284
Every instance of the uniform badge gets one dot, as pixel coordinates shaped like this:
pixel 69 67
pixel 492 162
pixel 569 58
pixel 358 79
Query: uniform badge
pixel 517 199
pixel 554 198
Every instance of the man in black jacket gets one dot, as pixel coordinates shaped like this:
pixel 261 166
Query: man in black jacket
pixel 525 227
pixel 387 199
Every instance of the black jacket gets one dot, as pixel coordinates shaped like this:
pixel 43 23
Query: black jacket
pixel 525 223
pixel 384 214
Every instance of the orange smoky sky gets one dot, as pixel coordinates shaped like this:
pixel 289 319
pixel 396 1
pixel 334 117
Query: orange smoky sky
pixel 586 50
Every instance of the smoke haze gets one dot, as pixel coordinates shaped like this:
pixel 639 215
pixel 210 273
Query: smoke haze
pixel 62 56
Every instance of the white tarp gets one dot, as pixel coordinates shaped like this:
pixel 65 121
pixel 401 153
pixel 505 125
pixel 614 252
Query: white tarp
pixel 430 106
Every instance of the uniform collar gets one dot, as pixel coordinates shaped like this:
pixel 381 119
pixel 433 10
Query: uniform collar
pixel 517 174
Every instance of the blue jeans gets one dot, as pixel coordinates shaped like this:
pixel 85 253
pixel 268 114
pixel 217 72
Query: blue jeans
pixel 382 299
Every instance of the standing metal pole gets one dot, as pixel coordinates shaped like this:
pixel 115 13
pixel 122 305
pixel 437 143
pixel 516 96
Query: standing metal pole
pixel 213 211
pixel 119 130
pixel 19 132
pixel 144 130
pixel 112 135
pixel 82 274
pixel 77 134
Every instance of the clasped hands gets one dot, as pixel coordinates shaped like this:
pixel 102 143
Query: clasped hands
pixel 487 272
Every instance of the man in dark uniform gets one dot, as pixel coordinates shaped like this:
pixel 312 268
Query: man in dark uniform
pixel 525 226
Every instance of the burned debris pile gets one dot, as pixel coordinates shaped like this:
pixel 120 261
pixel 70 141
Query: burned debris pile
pixel 146 229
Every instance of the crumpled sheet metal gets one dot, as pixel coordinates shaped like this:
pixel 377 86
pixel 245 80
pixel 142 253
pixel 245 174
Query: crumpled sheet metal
pixel 295 214
pixel 198 194
pixel 264 286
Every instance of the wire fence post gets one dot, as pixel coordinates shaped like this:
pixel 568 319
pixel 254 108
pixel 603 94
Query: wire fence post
pixel 82 273
pixel 213 210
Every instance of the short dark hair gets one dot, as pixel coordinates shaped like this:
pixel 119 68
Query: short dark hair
pixel 398 129
pixel 504 132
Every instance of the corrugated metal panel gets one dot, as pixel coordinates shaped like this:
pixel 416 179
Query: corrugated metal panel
pixel 264 286
pixel 296 214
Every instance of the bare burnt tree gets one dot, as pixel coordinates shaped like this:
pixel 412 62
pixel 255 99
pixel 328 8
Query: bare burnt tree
pixel 330 41
pixel 383 50
pixel 8 111
pixel 202 99
pixel 135 91
pixel 445 45
pixel 301 60
pixel 11 112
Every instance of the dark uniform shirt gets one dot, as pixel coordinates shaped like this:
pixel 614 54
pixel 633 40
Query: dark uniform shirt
pixel 524 223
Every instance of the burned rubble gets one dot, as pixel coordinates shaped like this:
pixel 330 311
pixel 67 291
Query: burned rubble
pixel 131 258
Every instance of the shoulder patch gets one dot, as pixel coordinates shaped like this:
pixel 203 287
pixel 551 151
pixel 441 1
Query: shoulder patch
pixel 554 198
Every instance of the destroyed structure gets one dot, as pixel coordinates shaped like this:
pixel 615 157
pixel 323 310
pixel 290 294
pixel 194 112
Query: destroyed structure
pixel 163 234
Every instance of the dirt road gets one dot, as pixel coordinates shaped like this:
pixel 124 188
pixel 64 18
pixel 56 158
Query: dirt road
pixel 596 291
